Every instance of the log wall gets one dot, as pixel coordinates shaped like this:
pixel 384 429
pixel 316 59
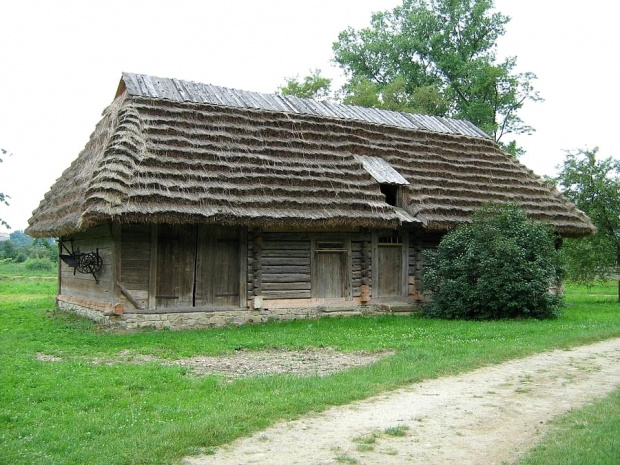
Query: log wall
pixel 280 263
pixel 419 241
pixel 135 253
pixel 284 266
pixel 279 267
pixel 84 286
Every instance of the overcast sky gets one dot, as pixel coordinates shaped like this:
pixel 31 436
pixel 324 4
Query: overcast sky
pixel 61 61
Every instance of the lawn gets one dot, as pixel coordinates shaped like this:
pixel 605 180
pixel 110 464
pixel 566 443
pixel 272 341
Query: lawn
pixel 75 411
pixel 589 436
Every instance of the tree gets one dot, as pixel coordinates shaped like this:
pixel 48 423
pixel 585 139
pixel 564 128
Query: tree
pixel 3 197
pixel 594 186
pixel 502 265
pixel 441 56
pixel 313 86
pixel 21 247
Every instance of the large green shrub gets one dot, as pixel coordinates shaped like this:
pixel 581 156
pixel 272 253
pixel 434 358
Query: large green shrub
pixel 39 264
pixel 502 265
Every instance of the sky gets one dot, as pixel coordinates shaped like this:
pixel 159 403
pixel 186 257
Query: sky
pixel 61 62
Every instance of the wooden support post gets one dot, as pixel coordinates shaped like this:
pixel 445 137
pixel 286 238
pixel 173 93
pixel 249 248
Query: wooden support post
pixel 243 267
pixel 405 263
pixel 153 268
pixel 59 266
pixel 258 257
pixel 115 266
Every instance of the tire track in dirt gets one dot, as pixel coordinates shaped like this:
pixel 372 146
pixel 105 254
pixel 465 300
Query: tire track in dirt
pixel 488 416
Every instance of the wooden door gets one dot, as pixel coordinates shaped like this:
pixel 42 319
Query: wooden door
pixel 176 247
pixel 390 270
pixel 218 264
pixel 331 275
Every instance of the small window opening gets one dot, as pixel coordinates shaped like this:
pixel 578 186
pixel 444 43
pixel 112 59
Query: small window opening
pixel 391 193
pixel 393 238
pixel 338 246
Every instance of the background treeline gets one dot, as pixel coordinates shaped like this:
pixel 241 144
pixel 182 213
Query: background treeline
pixel 33 254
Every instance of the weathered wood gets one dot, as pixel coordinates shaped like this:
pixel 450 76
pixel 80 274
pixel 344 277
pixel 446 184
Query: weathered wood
pixel 84 285
pixel 243 267
pixel 390 270
pixel 286 269
pixel 95 234
pixel 136 250
pixel 258 257
pixel 280 246
pixel 59 270
pixel 127 294
pixel 405 264
pixel 287 237
pixel 284 278
pixel 366 261
pixel 152 269
pixel 86 289
pixel 283 261
pixel 330 275
pixel 301 253
pixel 176 254
pixel 218 267
pixel 116 265
pixel 137 275
pixel 286 286
pixel 287 294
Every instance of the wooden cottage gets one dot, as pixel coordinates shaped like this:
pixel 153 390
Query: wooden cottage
pixel 195 205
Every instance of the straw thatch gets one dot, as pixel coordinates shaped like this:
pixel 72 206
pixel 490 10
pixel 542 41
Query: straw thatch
pixel 203 157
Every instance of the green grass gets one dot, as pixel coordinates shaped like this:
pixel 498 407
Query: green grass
pixel 12 269
pixel 76 412
pixel 589 436
pixel 397 431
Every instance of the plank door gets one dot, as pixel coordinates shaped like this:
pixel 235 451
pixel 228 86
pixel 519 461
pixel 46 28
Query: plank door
pixel 218 264
pixel 330 273
pixel 390 266
pixel 176 245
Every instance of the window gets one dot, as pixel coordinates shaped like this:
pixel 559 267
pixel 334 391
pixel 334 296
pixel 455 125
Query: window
pixel 391 193
pixel 393 238
pixel 331 246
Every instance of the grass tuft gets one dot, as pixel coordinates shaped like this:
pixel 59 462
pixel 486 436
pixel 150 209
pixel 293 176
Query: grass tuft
pixel 398 431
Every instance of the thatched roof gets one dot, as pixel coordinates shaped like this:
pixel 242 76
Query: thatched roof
pixel 170 151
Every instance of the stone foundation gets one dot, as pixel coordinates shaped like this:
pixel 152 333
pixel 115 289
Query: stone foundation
pixel 181 320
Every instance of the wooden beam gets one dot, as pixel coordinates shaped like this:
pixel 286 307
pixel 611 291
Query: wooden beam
pixel 127 294
pixel 153 268
pixel 115 266
pixel 405 264
pixel 243 267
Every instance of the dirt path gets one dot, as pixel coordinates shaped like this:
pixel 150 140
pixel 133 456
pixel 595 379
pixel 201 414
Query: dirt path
pixel 488 416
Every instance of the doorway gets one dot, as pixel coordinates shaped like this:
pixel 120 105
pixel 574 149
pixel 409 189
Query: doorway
pixel 331 276
pixel 389 279
pixel 198 266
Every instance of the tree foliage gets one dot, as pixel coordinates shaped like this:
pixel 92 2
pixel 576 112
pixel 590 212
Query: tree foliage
pixel 313 86
pixel 594 186
pixel 21 247
pixel 4 197
pixel 437 57
pixel 502 265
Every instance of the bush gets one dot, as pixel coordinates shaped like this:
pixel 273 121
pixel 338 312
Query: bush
pixel 502 265
pixel 39 264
